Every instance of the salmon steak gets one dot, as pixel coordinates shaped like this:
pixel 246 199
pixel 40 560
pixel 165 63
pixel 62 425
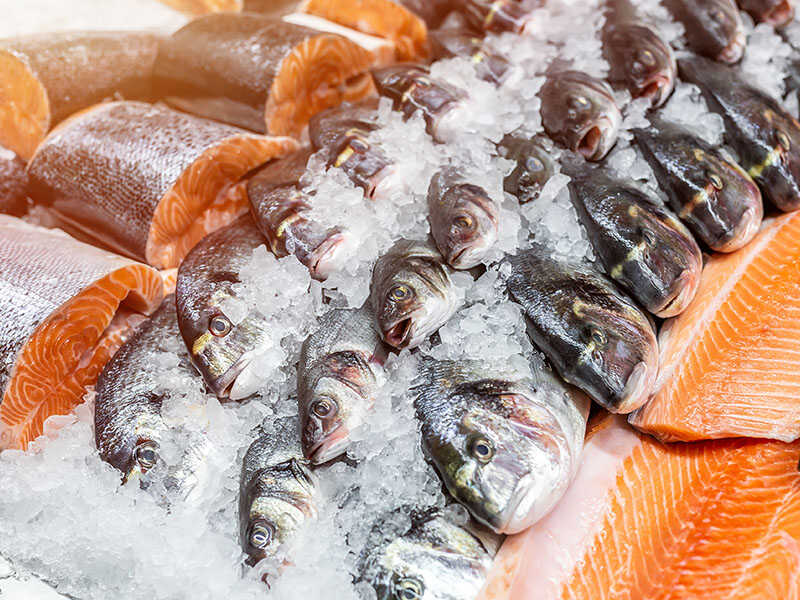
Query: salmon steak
pixel 146 181
pixel 46 78
pixel 717 519
pixel 730 364
pixel 262 73
pixel 67 308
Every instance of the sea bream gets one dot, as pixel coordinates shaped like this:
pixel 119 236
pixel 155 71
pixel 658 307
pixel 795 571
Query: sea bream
pixel 764 135
pixel 773 12
pixel 450 42
pixel 506 444
pixel 411 293
pixel 642 245
pixel 339 372
pixel 535 165
pixel 713 28
pixel 596 338
pixel 710 192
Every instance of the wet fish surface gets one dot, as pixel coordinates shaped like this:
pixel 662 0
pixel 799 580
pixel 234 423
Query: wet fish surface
pixel 13 183
pixel 713 28
pixel 450 42
pixel 596 338
pixel 535 165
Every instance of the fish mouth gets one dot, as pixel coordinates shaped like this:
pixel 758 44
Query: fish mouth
pixel 657 90
pixel 780 14
pixel 733 52
pixel 398 335
pixel 383 184
pixel 517 514
pixel 686 286
pixel 327 257
pixel 328 446
pixel 223 385
pixel 637 388
pixel 595 141
pixel 468 256
pixel 747 229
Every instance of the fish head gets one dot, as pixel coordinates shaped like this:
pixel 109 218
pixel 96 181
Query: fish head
pixel 641 59
pixel 363 162
pixel 715 29
pixel 535 166
pixel 321 250
pixel 579 112
pixel 779 173
pixel 464 225
pixel 773 12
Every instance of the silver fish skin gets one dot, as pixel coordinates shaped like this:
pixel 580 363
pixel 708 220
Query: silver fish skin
pixel 340 370
pixel 129 427
pixel 506 445
pixel 411 293
pixel 432 559
pixel 277 494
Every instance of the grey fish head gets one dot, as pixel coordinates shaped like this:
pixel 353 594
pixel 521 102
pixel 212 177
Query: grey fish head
pixel 579 112
pixel 535 166
pixel 641 61
pixel 713 28
pixel 778 172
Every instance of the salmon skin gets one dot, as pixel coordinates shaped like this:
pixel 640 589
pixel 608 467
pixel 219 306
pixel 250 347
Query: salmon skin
pixel 711 193
pixel 773 12
pixel 724 516
pixel 642 245
pixel 54 75
pixel 259 72
pixel 490 66
pixel 596 338
pixel 60 297
pixel 13 183
pixel 145 180
pixel 766 137
pixel 730 363
pixel 713 28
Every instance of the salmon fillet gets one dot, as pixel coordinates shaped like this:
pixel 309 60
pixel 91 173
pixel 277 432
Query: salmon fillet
pixel 707 521
pixel 59 321
pixel 730 364
pixel 144 180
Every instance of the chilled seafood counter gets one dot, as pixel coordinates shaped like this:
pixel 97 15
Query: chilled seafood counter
pixel 400 299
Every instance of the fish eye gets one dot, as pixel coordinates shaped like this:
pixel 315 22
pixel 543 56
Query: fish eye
pixel 146 455
pixel 534 164
pixel 423 81
pixel 482 449
pixel 323 407
pixel 598 337
pixel 261 534
pixel 716 180
pixel 783 140
pixel 220 326
pixel 359 145
pixel 646 58
pixel 400 293
pixel 579 102
pixel 463 222
pixel 408 588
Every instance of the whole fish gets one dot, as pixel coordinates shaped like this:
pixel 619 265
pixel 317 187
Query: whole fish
pixel 489 66
pixel 764 135
pixel 130 429
pixel 219 346
pixel 713 28
pixel 13 183
pixel 712 194
pixel 280 206
pixel 773 12
pixel 340 369
pixel 505 445
pixel 432 558
pixel 411 293
pixel 578 111
pixel 535 165
pixel 463 218
pixel 276 494
pixel 642 245
pixel 596 338
pixel 638 59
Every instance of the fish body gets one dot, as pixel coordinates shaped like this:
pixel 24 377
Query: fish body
pixel 596 338
pixel 411 293
pixel 765 136
pixel 773 12
pixel 276 495
pixel 642 245
pixel 13 183
pixel 496 16
pixel 535 165
pixel 506 446
pixel 713 195
pixel 339 372
pixel 489 66
pixel 579 112
pixel 463 217
pixel 713 28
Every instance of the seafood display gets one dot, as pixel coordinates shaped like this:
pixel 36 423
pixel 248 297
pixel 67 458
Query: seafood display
pixel 713 27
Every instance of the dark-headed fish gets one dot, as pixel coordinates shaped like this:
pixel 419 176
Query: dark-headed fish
pixel 431 558
pixel 714 28
pixel 279 206
pixel 506 446
pixel 643 246
pixel 765 136
pixel 579 112
pixel 495 15
pixel 712 194
pixel 13 183
pixel 411 293
pixel 596 338
pixel 463 218
pixel 535 165
pixel 276 494
pixel 446 43
pixel 338 375
pixel 220 348
pixel 773 12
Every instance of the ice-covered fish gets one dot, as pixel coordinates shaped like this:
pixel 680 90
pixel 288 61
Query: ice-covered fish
pixel 130 429
pixel 505 445
pixel 280 206
pixel 711 193
pixel 276 494
pixel 450 42
pixel 340 369
pixel 713 28
pixel 579 112
pixel 638 59
pixel 13 183
pixel 411 293
pixel 420 554
pixel 221 346
pixel 595 337
pixel 463 218
pixel 535 165
pixel 774 12
pixel 642 245
pixel 765 136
